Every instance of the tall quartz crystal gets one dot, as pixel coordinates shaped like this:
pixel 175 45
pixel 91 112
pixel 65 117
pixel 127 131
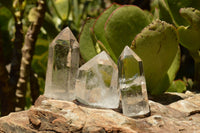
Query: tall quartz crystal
pixel 63 63
pixel 132 84
pixel 97 82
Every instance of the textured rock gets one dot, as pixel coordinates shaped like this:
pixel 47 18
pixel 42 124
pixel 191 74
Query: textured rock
pixel 16 123
pixel 185 106
pixel 48 115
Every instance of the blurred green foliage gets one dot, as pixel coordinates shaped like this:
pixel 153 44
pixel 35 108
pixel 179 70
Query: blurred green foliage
pixel 99 34
pixel 177 86
pixel 119 26
pixel 185 15
pixel 59 14
pixel 6 25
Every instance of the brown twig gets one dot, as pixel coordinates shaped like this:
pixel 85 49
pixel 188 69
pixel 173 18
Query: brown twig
pixel 27 55
pixel 34 86
pixel 8 93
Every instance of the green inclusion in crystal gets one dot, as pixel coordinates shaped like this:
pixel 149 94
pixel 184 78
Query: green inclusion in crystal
pixel 99 74
pixel 61 51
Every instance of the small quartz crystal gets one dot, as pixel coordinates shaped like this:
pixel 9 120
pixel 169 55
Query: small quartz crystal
pixel 63 63
pixel 132 84
pixel 97 82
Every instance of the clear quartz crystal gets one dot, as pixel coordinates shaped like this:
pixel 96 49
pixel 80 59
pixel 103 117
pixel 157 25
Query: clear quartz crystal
pixel 63 63
pixel 132 84
pixel 97 82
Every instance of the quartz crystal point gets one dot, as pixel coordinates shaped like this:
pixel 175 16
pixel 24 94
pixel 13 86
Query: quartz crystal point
pixel 132 84
pixel 63 63
pixel 97 82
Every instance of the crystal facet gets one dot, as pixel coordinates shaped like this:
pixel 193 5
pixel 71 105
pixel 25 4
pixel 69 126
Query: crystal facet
pixel 63 63
pixel 96 84
pixel 132 84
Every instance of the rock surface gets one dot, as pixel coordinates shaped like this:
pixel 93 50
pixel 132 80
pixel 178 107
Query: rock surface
pixel 171 112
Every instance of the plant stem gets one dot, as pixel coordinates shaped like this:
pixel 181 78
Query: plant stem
pixel 197 75
pixel 27 55
pixel 34 86
pixel 8 93
pixel 196 57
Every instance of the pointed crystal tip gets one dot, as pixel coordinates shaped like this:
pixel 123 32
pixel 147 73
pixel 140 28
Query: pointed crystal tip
pixel 129 64
pixel 96 84
pixel 132 84
pixel 63 63
pixel 127 51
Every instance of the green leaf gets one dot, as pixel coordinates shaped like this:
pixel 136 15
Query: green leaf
pixel 176 5
pixel 162 11
pixel 175 66
pixel 76 12
pixel 157 46
pixel 177 86
pixel 170 75
pixel 99 29
pixel 50 27
pixel 39 62
pixel 62 8
pixel 149 15
pixel 87 45
pixel 169 10
pixel 123 25
pixel 190 35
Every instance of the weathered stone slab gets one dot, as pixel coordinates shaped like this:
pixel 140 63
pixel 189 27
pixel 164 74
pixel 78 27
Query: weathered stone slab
pixel 55 116
pixel 185 106
pixel 16 123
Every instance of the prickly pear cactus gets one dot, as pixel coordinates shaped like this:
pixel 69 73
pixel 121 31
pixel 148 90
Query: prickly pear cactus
pixel 99 31
pixel 87 45
pixel 168 10
pixel 190 35
pixel 157 44
pixel 123 25
pixel 190 38
pixel 185 15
